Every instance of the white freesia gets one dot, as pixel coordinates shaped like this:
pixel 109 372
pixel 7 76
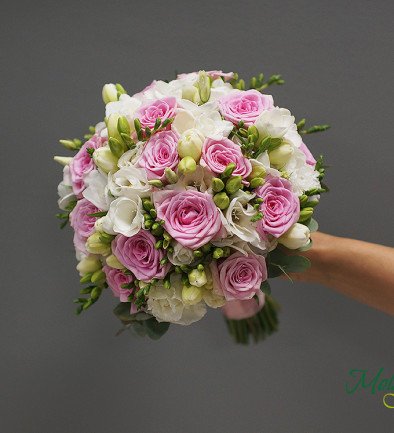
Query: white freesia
pixel 97 190
pixel 129 182
pixel 219 89
pixel 180 255
pixel 278 123
pixel 261 166
pixel 124 217
pixel 205 118
pixel 64 190
pixel 302 176
pixel 130 158
pixel 238 218
pixel 105 159
pixel 297 236
pixel 167 305
pixel 126 106
pixel 160 89
pixel 281 155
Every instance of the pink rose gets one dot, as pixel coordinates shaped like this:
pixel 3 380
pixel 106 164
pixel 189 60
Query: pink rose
pixel 310 160
pixel 280 208
pixel 241 276
pixel 163 108
pixel 82 223
pixel 217 154
pixel 116 278
pixel 190 217
pixel 244 105
pixel 238 310
pixel 160 152
pixel 82 164
pixel 138 254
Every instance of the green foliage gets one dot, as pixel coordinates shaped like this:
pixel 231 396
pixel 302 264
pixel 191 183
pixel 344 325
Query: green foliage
pixel 281 263
pixel 265 287
pixel 143 324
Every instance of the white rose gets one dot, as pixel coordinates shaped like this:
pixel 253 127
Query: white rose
pixel 181 255
pixel 297 236
pixel 190 144
pixel 129 182
pixel 124 216
pixel 167 305
pixel 105 159
pixel 97 190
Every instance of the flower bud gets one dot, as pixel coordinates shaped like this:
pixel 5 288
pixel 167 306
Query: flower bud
pixel 281 155
pixel 95 245
pixel 88 265
pixel 156 183
pixel 123 126
pixel 109 93
pixel 305 214
pixel 113 262
pixel 257 171
pixel 171 176
pixel 191 93
pixel 221 200
pixel 217 184
pixel 191 295
pixel 197 277
pixel 98 225
pixel 234 184
pixel 218 253
pixel 204 86
pixel 98 277
pixel 297 236
pixel 229 169
pixel 112 126
pixel 63 160
pixel 190 144
pixel 187 165
pixel 70 144
pixel 256 182
pixel 105 159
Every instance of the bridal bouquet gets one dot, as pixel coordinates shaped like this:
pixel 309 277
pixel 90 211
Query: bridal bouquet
pixel 191 194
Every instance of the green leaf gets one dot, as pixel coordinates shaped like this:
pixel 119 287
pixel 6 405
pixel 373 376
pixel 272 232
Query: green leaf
pixel 312 225
pixel 155 329
pixel 265 287
pixel 97 214
pixel 288 263
pixel 122 312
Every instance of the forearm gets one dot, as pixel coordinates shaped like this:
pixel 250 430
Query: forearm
pixel 360 270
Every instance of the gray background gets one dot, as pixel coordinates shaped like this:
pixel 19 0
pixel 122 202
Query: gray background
pixel 62 373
